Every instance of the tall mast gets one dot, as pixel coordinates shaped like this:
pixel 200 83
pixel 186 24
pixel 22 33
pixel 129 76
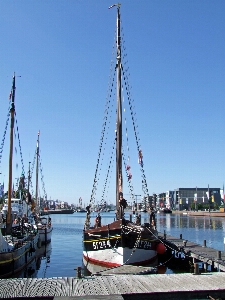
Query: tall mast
pixel 37 163
pixel 12 113
pixel 119 179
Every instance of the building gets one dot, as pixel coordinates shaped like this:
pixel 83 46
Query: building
pixel 184 198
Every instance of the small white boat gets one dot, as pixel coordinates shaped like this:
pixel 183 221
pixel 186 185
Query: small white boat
pixel 44 227
pixel 43 223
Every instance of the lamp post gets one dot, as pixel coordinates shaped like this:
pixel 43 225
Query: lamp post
pixel 209 198
pixel 196 199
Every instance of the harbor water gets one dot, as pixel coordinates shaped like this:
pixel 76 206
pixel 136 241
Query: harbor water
pixel 64 254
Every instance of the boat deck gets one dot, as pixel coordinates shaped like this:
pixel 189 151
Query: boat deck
pixel 160 286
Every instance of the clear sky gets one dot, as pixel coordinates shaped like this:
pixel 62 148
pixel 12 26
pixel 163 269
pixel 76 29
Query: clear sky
pixel 62 51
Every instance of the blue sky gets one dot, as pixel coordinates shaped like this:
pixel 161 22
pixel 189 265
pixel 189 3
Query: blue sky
pixel 62 51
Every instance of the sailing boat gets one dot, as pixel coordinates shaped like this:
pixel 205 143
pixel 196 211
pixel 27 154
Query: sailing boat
pixel 43 223
pixel 18 240
pixel 122 241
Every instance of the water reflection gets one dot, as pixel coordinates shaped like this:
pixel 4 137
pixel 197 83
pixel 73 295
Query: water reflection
pixel 196 229
pixel 67 247
pixel 39 264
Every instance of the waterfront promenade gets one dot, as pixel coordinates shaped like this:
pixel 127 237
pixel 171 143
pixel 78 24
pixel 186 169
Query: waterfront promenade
pixel 200 213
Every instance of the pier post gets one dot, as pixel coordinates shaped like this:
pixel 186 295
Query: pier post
pixel 185 243
pixel 79 272
pixel 218 254
pixel 204 243
pixel 196 268
pixel 205 266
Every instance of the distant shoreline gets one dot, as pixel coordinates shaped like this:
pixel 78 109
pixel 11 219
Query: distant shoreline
pixel 191 213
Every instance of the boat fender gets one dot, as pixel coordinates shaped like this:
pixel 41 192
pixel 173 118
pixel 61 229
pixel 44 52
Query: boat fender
pixel 160 248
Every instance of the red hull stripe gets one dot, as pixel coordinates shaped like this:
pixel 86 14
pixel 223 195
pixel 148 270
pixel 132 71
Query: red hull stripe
pixel 109 264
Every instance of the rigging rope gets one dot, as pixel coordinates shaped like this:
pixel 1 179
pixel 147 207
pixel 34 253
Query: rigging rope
pixel 41 173
pixel 16 135
pixel 130 102
pixel 105 120
pixel 109 168
pixel 4 134
pixel 21 156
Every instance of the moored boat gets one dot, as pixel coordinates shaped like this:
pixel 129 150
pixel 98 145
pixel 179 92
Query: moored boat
pixel 165 210
pixel 43 224
pixel 44 227
pixel 57 211
pixel 122 241
pixel 18 238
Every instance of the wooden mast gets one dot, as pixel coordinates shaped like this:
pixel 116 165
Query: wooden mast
pixel 12 113
pixel 119 179
pixel 37 163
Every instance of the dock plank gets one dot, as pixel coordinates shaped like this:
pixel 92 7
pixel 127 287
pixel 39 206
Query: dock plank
pixel 168 286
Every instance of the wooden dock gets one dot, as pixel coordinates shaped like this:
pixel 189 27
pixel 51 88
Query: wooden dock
pixel 202 253
pixel 127 270
pixel 160 286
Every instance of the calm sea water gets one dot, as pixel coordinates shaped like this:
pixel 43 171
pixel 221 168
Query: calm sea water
pixel 64 254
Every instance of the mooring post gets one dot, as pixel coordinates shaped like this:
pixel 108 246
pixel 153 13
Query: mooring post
pixel 164 234
pixel 196 268
pixel 79 272
pixel 130 217
pixel 185 243
pixel 219 254
pixel 181 236
pixel 204 243
pixel 212 267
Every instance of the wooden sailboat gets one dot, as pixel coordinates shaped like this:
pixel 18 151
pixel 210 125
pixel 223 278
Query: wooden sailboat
pixel 43 223
pixel 122 241
pixel 18 242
